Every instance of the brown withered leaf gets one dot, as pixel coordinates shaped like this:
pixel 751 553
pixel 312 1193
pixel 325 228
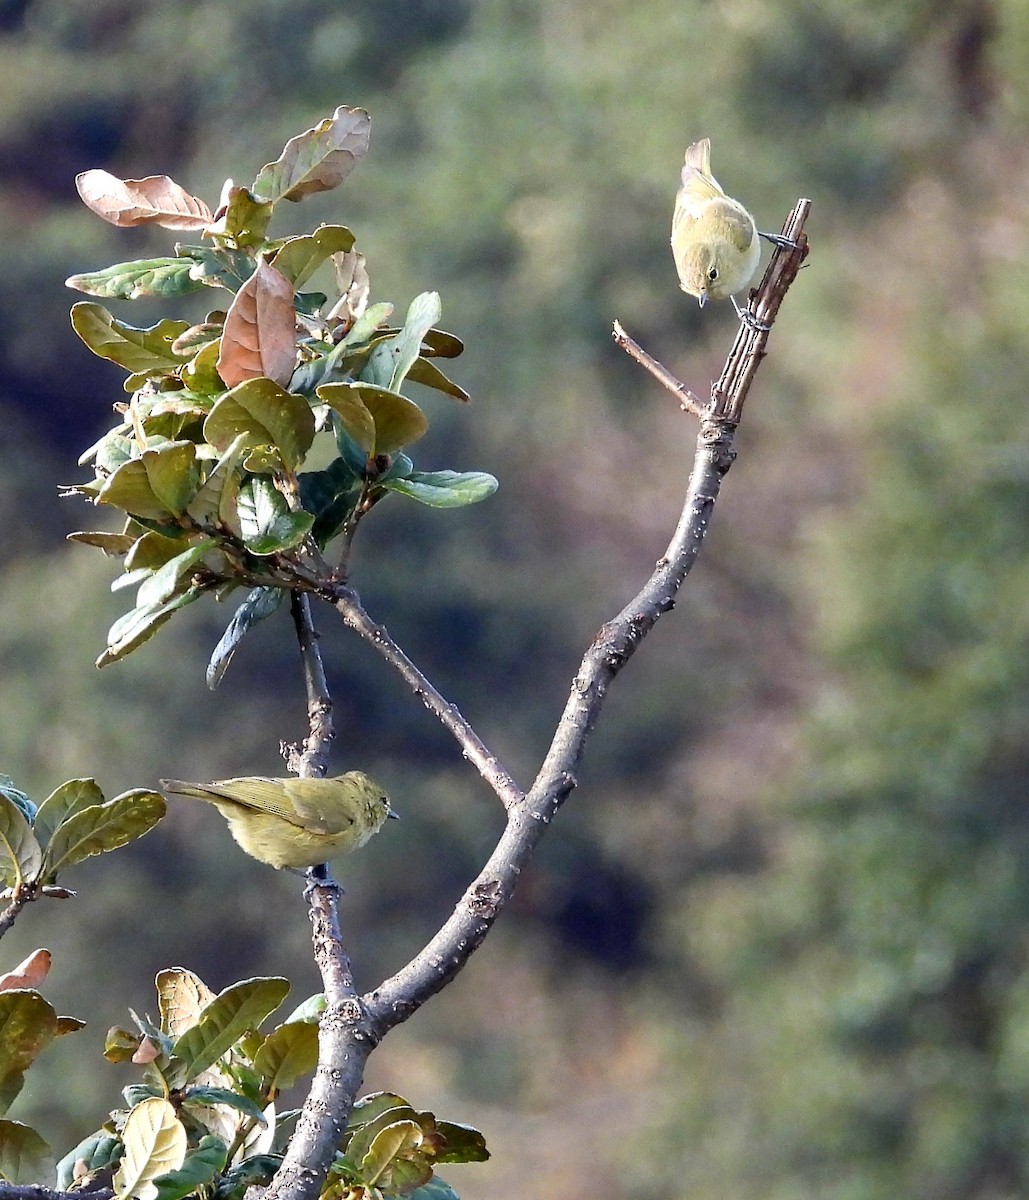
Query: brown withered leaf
pixel 29 973
pixel 316 160
pixel 155 200
pixel 259 336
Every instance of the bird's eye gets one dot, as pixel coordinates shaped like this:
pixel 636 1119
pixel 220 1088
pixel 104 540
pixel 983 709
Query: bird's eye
pixel 713 274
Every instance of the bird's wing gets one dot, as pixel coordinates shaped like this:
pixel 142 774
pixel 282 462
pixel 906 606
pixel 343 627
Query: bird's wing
pixel 323 805
pixel 256 792
pixel 738 222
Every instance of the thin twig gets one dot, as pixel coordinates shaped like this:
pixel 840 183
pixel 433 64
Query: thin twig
pixel 349 606
pixel 314 760
pixel 688 402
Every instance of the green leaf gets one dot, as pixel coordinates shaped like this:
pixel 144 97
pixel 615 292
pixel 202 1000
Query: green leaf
pixel 114 545
pixel 464 1143
pixel 444 489
pixel 309 1010
pixel 260 603
pixel 20 855
pixel 153 550
pixel 200 374
pixel 99 1150
pixel 268 415
pixel 200 1168
pixel 378 420
pixel 164 277
pixel 391 360
pixel 204 1097
pixel 245 221
pixel 369 1108
pixel 238 1008
pixel 25 1158
pixel 266 521
pixel 173 474
pixel 318 159
pixel 18 798
pixel 130 489
pixel 396 1139
pixel 429 375
pixel 155 1144
pixel 99 828
pixel 129 632
pixel 218 266
pixel 28 1024
pixel 137 350
pixel 216 501
pixel 257 1170
pixel 167 581
pixel 286 1054
pixel 331 496
pixel 300 257
pixel 64 802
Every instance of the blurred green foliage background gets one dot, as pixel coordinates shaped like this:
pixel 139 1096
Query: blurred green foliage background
pixel 776 945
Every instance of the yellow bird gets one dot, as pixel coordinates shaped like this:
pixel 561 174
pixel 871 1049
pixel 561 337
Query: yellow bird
pixel 714 239
pixel 295 823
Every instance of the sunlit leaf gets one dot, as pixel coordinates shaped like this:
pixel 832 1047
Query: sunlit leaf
pixel 181 997
pixel 63 802
pixel 137 350
pixel 25 1158
pixel 165 277
pixel 391 360
pixel 379 421
pixel 153 550
pixel 129 489
pixel 260 603
pixel 20 854
pixel 267 523
pixel 318 159
pixel 200 1168
pixel 29 973
pixel 268 415
pixel 300 257
pixel 444 489
pixel 286 1054
pixel 396 1139
pixel 429 375
pixel 245 219
pixel 233 1011
pixel 114 545
pixel 130 631
pixel 155 1144
pixel 167 580
pixel 259 336
pixel 155 200
pixel 99 828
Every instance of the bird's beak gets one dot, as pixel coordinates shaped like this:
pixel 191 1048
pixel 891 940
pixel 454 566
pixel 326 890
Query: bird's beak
pixel 394 815
pixel 702 300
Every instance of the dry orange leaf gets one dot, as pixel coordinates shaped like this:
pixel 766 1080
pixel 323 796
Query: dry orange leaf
pixel 259 336
pixel 29 973
pixel 155 200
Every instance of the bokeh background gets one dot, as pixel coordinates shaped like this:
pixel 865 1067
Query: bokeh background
pixel 775 948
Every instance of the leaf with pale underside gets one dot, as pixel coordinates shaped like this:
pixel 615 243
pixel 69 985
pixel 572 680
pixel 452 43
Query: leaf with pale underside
pixel 259 337
pixel 229 1015
pixel 163 277
pixel 130 631
pixel 286 1054
pixel 155 1144
pixel 155 200
pixel 318 159
pixel 393 357
pixel 444 489
pixel 20 854
pixel 181 998
pixel 379 421
pixel 64 802
pixel 138 350
pixel 99 828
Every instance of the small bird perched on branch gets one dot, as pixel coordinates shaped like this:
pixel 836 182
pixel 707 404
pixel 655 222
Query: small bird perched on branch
pixel 714 239
pixel 295 823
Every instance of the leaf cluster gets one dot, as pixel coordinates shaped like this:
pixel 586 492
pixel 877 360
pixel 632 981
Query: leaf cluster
pixel 203 1120
pixel 205 460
